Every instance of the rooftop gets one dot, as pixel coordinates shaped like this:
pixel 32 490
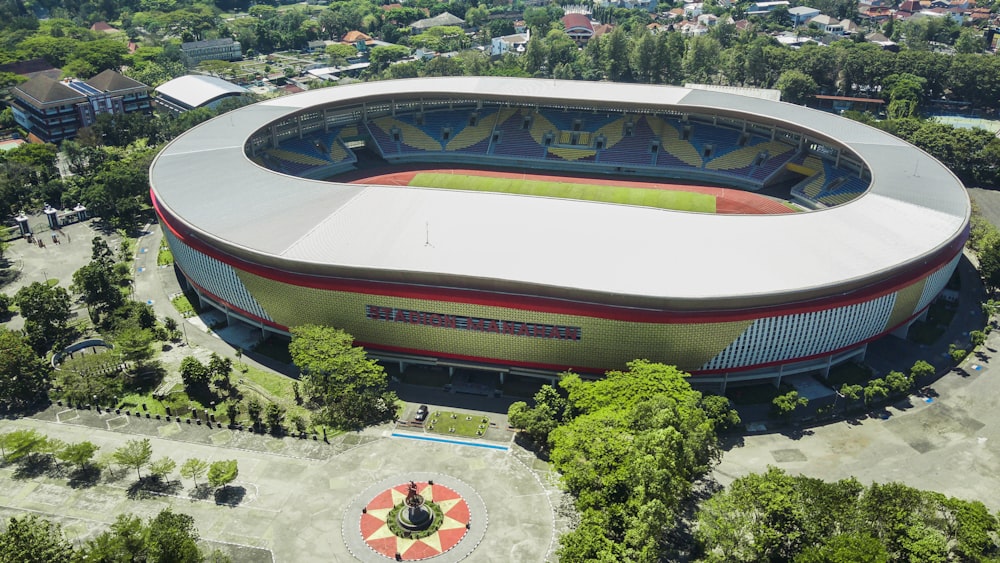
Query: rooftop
pixel 914 208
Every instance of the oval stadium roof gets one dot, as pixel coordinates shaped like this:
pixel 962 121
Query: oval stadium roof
pixel 914 208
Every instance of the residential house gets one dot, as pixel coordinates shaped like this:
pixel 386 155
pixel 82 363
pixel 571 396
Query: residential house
pixel 516 43
pixel 708 20
pixel 764 8
pixel 578 27
pixel 802 14
pixel 444 18
pixel 828 24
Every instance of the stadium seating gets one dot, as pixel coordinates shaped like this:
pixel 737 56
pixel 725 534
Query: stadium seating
pixel 565 153
pixel 474 138
pixel 778 154
pixel 634 150
pixel 719 139
pixel 515 141
pixel 380 130
pixel 674 151
pixel 589 122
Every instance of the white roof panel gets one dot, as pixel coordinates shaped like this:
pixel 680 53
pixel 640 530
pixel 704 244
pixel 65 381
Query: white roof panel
pixel 914 207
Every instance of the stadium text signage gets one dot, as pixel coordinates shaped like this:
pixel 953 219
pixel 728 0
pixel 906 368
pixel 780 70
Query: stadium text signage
pixel 516 328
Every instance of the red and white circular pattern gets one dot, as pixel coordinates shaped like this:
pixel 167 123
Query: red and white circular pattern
pixel 377 535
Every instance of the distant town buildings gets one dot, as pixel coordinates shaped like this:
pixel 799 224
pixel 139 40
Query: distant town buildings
pixel 211 50
pixel 53 110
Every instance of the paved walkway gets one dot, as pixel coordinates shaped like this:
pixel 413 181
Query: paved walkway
pixel 291 494
pixel 944 441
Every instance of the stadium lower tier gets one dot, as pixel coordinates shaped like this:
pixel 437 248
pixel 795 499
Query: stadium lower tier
pixel 534 333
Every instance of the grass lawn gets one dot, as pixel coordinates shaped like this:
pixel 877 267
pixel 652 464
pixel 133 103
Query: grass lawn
pixel 276 385
pixel 183 306
pixel 164 257
pixel 179 402
pixel 646 197
pixel 443 422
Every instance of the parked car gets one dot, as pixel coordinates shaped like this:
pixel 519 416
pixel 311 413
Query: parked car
pixel 421 413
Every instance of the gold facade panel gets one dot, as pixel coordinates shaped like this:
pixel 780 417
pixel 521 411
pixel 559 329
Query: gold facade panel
pixel 603 343
pixel 906 300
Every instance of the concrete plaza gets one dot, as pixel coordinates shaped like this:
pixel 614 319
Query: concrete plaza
pixel 292 496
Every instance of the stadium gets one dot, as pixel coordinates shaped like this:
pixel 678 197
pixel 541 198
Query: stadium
pixel 273 219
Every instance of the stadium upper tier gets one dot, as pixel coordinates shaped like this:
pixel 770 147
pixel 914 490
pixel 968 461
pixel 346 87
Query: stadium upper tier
pixel 913 217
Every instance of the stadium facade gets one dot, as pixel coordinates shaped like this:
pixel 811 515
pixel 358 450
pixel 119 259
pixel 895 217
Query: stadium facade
pixel 537 285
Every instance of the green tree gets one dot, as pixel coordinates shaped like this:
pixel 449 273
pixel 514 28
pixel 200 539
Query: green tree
pixel 898 382
pixel 162 467
pixel 135 453
pixel 701 58
pixel 718 410
pixel 222 473
pixel 846 548
pixel 382 56
pixel 629 448
pixel 254 410
pixel 274 415
pixel 338 53
pixel 98 282
pixel 784 405
pixel 796 87
pixel 169 536
pixel 80 454
pixel 134 343
pixel 349 388
pixel 615 48
pixel 970 41
pixel 19 443
pixel 957 354
pixel 46 315
pixel 24 377
pixel 194 468
pixel 193 372
pixel 537 422
pixel 978 338
pixel 31 539
pixel 921 370
pixel 875 389
pixel 219 368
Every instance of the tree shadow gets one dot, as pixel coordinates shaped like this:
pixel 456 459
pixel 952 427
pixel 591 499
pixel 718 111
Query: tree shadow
pixel 795 432
pixel 84 477
pixel 905 404
pixel 230 496
pixel 731 440
pixel 35 465
pixel 150 486
pixel 681 543
pixel 201 492
pixel 540 451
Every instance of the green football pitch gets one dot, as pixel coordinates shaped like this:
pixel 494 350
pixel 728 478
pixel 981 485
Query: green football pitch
pixel 646 197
